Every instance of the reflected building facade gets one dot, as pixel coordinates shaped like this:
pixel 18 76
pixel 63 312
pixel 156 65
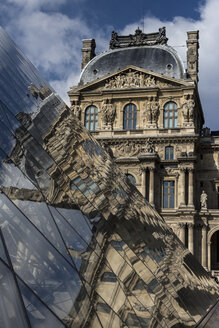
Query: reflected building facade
pixel 79 244
pixel 141 104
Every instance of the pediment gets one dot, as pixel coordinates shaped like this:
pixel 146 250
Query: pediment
pixel 131 77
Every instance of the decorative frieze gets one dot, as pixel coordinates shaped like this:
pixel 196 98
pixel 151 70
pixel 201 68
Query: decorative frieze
pixel 134 79
pixel 127 149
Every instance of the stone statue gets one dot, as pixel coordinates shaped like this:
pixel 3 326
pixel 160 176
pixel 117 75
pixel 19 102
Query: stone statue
pixel 203 200
pixel 154 111
pixel 149 146
pixel 76 109
pixel 192 59
pixel 108 113
pixel 188 109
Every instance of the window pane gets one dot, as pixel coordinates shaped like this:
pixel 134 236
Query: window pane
pixel 129 117
pixel 91 118
pixel 168 194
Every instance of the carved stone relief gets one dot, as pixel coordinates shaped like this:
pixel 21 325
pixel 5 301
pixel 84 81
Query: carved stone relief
pixel 150 112
pixel 127 148
pixel 188 109
pixel 148 147
pixel 108 113
pixel 134 80
pixel 192 58
pixel 76 109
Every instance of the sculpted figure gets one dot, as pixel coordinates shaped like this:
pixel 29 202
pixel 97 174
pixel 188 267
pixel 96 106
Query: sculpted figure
pixel 147 113
pixel 149 146
pixel 141 80
pixel 203 200
pixel 191 107
pixel 76 109
pixel 154 111
pixel 108 113
pixel 185 109
pixel 192 58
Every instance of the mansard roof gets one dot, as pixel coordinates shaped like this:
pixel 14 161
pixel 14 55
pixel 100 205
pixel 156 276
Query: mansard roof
pixel 150 55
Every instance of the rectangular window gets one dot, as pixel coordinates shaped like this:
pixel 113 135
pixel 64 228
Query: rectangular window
pixel 168 194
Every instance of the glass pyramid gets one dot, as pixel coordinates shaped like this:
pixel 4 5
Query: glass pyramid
pixel 79 245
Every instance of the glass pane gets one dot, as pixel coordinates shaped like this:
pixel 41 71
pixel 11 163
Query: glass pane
pixel 39 315
pixel 37 262
pixel 170 123
pixel 171 201
pixel 11 309
pixel 2 251
pixel 165 201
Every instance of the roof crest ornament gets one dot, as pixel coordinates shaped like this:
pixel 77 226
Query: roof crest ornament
pixel 138 39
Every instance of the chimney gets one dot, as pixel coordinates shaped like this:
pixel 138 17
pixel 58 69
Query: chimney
pixel 192 54
pixel 88 51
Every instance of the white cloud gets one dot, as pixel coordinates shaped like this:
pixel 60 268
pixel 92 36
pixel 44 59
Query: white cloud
pixel 52 41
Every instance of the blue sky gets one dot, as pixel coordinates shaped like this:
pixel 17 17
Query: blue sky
pixel 49 32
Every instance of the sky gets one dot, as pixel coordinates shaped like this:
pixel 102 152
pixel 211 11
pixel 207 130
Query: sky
pixel 49 32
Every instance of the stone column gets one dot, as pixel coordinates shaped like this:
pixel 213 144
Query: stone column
pixel 182 174
pixel 191 186
pixel 191 237
pixel 182 235
pixel 151 188
pixel 204 246
pixel 143 182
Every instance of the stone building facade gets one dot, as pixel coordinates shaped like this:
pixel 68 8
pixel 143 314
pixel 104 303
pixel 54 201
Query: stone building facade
pixel 144 108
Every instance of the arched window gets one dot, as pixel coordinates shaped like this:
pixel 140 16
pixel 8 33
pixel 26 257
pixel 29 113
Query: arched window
pixel 170 115
pixel 129 117
pixel 169 155
pixel 91 118
pixel 131 178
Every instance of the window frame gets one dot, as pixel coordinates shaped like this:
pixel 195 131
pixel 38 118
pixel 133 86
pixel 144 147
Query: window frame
pixel 91 118
pixel 129 117
pixel 169 153
pixel 170 115
pixel 169 194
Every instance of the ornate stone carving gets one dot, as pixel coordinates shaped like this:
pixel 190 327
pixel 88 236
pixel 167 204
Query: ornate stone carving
pixel 151 111
pixel 127 149
pixel 148 147
pixel 138 39
pixel 76 109
pixel 134 80
pixel 192 58
pixel 108 113
pixel 203 200
pixel 188 108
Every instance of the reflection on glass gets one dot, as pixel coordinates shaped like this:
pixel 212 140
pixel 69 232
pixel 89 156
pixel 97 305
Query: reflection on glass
pixel 11 309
